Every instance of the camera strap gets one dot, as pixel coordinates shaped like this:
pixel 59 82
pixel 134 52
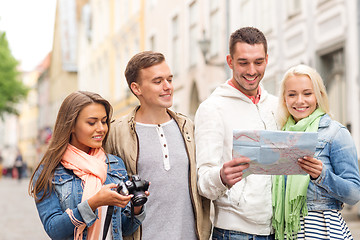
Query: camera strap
pixel 109 213
pixel 132 213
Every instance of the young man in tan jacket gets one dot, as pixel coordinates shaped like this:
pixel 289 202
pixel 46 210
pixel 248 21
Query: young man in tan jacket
pixel 158 145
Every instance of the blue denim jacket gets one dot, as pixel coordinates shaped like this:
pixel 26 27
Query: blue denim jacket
pixel 339 181
pixel 67 193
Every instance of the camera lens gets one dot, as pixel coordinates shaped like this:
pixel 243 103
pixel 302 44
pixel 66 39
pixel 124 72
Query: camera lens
pixel 139 199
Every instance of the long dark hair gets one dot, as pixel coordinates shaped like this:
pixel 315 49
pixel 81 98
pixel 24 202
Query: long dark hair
pixel 65 122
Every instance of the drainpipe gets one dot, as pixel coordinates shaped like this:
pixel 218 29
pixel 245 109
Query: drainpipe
pixel 227 71
pixel 358 40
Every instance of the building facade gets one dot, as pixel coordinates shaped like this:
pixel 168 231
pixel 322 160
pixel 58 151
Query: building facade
pixel 63 65
pixel 110 32
pixel 94 40
pixel 27 120
pixel 323 34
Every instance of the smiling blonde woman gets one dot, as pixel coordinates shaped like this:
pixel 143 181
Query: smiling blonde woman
pixel 309 206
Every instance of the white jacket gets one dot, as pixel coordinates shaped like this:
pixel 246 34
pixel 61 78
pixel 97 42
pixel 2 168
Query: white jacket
pixel 245 207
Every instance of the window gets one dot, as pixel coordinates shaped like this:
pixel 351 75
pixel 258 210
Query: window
pixel 151 4
pixel 118 77
pixel 320 2
pixel 86 19
pixel 193 37
pixel 265 9
pixel 293 7
pixel 135 6
pixel 152 43
pixel 246 14
pixel 125 10
pixel 106 18
pixel 136 45
pixel 214 28
pixel 117 15
pixel 214 4
pixel 175 45
pixel 105 76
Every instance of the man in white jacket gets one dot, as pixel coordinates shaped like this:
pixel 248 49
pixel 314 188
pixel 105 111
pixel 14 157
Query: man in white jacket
pixel 243 207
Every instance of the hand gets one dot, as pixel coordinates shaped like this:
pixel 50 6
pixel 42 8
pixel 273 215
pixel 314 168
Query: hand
pixel 137 210
pixel 108 197
pixel 231 171
pixel 311 165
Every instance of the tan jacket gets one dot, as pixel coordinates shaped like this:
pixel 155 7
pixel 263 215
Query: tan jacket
pixel 123 142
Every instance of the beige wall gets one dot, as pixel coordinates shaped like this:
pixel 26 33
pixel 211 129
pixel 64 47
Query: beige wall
pixel 62 82
pixel 119 29
pixel 27 120
pixel 105 51
pixel 185 59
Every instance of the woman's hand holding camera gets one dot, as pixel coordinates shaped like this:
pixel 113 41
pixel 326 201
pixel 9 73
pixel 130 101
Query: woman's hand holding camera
pixel 138 189
pixel 107 197
pixel 124 192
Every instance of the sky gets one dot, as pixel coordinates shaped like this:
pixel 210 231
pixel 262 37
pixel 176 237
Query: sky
pixel 29 27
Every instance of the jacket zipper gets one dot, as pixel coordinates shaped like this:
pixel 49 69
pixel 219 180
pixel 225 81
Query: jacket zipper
pixel 257 107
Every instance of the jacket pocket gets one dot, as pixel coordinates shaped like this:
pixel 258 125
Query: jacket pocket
pixel 252 198
pixel 63 185
pixel 117 175
pixel 320 147
pixel 317 193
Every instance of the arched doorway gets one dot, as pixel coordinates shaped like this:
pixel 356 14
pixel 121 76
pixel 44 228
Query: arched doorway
pixel 335 83
pixel 194 100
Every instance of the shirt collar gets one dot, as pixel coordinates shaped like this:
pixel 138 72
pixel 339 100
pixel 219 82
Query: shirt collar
pixel 255 99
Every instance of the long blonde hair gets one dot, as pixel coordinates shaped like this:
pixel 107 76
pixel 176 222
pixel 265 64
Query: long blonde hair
pixel 318 86
pixel 65 122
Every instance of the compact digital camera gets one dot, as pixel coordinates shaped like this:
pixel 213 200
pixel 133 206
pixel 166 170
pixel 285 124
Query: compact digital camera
pixel 136 187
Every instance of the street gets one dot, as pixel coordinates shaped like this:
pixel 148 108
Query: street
pixel 19 219
pixel 353 221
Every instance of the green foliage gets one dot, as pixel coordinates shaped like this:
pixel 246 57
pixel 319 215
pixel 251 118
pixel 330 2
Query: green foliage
pixel 12 90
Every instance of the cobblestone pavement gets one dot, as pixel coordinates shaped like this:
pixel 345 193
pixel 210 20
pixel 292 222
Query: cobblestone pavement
pixel 352 218
pixel 19 219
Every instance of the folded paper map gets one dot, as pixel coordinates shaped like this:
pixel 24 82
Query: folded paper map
pixel 273 152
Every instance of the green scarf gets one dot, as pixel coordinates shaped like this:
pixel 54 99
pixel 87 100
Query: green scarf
pixel 288 203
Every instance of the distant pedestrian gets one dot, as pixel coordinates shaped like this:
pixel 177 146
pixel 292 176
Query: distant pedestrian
pixel 1 165
pixel 19 164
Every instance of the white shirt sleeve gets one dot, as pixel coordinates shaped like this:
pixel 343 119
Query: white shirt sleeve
pixel 209 139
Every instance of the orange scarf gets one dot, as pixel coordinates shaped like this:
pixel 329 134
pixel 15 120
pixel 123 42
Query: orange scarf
pixel 92 170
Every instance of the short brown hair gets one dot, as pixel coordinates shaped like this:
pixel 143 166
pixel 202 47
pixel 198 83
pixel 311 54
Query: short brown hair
pixel 249 35
pixel 140 61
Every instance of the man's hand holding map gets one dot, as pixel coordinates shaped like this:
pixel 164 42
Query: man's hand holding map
pixel 273 152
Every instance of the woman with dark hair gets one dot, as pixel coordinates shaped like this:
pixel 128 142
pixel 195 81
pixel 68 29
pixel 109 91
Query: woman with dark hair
pixel 73 183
